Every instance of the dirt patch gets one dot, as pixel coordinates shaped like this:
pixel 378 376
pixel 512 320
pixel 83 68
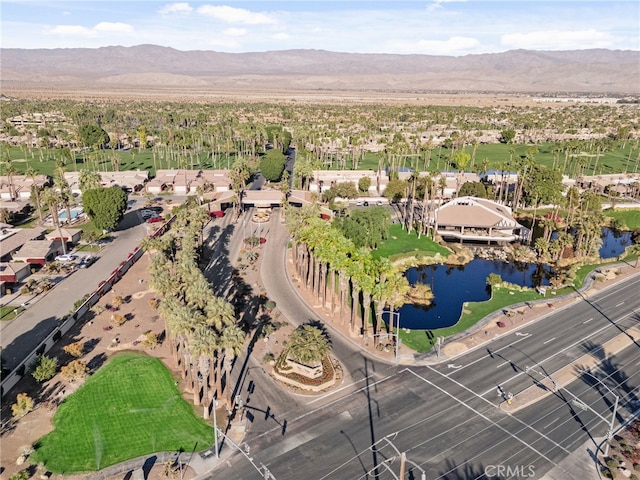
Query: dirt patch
pixel 101 341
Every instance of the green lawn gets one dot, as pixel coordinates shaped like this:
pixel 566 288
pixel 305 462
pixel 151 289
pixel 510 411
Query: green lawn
pixel 130 407
pixel 44 160
pixel 400 244
pixel 423 340
pixel 613 160
pixel 629 216
pixel 9 312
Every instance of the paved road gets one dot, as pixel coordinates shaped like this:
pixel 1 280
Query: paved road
pixel 447 417
pixel 22 335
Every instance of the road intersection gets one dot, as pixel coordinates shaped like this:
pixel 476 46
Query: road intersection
pixel 447 416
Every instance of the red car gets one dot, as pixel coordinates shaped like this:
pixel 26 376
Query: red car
pixel 154 219
pixel 217 213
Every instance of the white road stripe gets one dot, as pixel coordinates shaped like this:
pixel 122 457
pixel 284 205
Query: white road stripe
pixel 526 425
pixel 549 341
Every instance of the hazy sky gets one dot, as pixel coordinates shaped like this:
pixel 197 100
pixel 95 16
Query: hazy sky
pixel 438 27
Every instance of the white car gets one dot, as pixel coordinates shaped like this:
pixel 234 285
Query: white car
pixel 65 258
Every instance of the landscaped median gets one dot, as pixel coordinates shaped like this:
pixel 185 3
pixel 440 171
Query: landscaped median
pixel 129 408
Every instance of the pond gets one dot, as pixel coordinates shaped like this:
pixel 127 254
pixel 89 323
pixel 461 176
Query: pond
pixel 454 285
pixel 614 243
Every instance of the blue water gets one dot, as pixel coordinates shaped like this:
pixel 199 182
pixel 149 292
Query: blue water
pixel 452 286
pixel 74 213
pixel 614 243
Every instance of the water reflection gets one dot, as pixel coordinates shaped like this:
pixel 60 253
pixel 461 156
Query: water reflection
pixel 614 243
pixel 454 285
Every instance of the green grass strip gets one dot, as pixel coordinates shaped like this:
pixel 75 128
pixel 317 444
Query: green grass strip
pixel 129 408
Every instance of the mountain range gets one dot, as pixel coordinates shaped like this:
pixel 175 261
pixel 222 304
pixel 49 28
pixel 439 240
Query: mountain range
pixel 596 71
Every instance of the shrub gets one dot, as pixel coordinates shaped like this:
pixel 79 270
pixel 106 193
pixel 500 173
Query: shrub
pixel 23 405
pixel 74 370
pixel 21 475
pixel 150 340
pixel 494 279
pixel 118 319
pixel 636 467
pixel 612 462
pixel 78 303
pixel 75 349
pixel 45 368
pixel 606 473
pixel 117 301
pixel 154 303
pixel 268 357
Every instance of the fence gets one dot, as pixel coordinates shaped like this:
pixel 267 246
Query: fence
pixel 47 344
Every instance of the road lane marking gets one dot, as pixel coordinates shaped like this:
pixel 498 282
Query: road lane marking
pixel 493 352
pixel 620 304
pixel 549 341
pixel 487 419
pixel 614 323
pixel 551 423
pixel 521 422
pixel 587 321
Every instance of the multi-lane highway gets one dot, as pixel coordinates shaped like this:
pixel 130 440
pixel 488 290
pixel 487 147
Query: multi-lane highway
pixel 447 417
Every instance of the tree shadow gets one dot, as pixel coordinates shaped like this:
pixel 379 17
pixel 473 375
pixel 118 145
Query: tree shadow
pixel 468 471
pixel 90 344
pixel 96 362
pixel 611 374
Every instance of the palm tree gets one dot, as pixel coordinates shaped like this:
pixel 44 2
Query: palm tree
pixel 88 180
pixel 52 199
pixel 10 171
pixel 35 190
pixel 203 341
pixel 308 345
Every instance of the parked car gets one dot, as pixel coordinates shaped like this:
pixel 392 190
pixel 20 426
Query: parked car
pixel 65 258
pixel 147 214
pixel 217 213
pixel 154 219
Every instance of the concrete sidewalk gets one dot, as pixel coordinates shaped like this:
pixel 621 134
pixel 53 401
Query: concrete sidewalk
pixel 545 385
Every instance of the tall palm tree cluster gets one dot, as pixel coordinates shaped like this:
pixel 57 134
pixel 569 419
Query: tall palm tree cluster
pixel 336 271
pixel 201 327
pixel 581 230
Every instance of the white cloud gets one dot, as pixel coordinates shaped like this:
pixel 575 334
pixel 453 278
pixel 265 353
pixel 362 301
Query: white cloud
pixel 113 27
pixel 281 36
pixel 73 30
pixel 235 15
pixel 98 29
pixel 235 32
pixel 559 39
pixel 182 8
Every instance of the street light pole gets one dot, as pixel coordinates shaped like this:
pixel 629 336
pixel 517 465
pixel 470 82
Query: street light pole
pixel 395 318
pixel 215 428
pixel 615 408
